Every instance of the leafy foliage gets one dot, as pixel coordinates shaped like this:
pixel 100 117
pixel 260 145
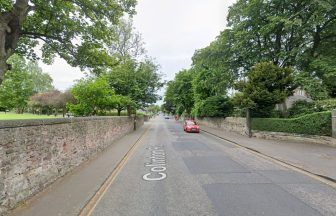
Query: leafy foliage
pixel 25 79
pixel 266 86
pixel 312 124
pixel 128 43
pixel 215 106
pixel 136 83
pixel 16 88
pixel 179 95
pixel 92 96
pixel 50 102
pixel 302 107
pixel 77 31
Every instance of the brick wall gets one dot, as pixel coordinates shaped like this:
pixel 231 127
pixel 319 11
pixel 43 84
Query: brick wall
pixel 34 153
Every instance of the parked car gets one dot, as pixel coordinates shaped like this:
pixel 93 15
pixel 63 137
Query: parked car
pixel 191 126
pixel 166 117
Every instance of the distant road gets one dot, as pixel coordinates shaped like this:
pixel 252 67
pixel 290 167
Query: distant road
pixel 171 172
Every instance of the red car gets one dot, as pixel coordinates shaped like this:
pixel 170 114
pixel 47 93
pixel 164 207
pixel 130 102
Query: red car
pixel 191 126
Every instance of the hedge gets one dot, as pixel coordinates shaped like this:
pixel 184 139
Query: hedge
pixel 312 124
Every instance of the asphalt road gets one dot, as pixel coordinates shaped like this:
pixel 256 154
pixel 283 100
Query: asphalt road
pixel 175 173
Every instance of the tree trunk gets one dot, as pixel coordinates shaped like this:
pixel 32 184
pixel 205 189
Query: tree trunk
pixel 10 32
pixel 129 110
pixel 119 112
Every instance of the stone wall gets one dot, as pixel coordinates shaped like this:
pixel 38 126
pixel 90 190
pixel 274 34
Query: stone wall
pixel 238 125
pixel 34 153
pixel 324 140
pixel 231 124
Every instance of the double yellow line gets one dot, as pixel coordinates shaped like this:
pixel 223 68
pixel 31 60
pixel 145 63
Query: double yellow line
pixel 95 199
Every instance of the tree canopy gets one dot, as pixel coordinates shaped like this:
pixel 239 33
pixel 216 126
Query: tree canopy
pixel 93 96
pixel 180 93
pixel 266 85
pixel 25 79
pixel 275 34
pixel 77 31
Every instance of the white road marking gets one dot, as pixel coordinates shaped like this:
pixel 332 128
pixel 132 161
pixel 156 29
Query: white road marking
pixel 157 164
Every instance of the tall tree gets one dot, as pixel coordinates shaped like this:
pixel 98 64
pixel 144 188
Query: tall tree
pixel 93 96
pixel 214 76
pixel 169 104
pixel 181 90
pixel 138 83
pixel 128 42
pixel 74 30
pixel 42 82
pixel 266 85
pixel 287 32
pixel 17 87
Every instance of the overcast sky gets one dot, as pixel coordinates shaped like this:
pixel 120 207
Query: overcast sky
pixel 172 30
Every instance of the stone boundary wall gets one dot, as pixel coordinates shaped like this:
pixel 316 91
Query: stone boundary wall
pixel 231 124
pixel 238 125
pixel 34 153
pixel 324 140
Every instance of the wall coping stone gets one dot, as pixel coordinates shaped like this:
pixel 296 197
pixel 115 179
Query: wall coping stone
pixel 40 122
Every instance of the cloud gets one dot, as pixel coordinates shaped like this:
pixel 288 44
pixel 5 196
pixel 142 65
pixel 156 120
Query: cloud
pixel 174 29
pixel 63 74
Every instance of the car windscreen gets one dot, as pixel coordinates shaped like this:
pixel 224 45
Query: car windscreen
pixel 191 123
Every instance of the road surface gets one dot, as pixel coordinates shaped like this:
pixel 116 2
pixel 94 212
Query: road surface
pixel 174 173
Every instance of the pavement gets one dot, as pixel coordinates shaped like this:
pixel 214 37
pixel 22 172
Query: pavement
pixel 316 158
pixel 171 172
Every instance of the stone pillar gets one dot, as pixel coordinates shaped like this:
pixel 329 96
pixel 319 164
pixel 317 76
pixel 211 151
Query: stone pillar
pixel 334 123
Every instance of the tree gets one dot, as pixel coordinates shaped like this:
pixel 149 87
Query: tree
pixel 300 34
pixel 42 82
pixel 75 30
pixel 154 109
pixel 25 79
pixel 17 87
pixel 61 101
pixel 213 70
pixel 214 106
pixel 148 81
pixel 93 96
pixel 45 102
pixel 213 77
pixel 137 83
pixel 180 92
pixel 168 105
pixel 128 42
pixel 267 85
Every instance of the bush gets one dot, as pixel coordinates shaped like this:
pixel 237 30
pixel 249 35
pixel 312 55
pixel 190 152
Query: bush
pixel 301 108
pixel 325 105
pixel 312 124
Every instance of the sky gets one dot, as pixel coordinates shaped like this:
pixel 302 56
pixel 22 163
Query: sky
pixel 171 29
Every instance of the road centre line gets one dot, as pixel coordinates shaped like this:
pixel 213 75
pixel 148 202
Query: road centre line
pixel 95 199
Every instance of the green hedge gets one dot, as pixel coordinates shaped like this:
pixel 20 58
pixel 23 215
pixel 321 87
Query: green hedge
pixel 312 124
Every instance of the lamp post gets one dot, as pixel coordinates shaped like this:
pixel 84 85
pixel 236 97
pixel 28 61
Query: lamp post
pixel 333 123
